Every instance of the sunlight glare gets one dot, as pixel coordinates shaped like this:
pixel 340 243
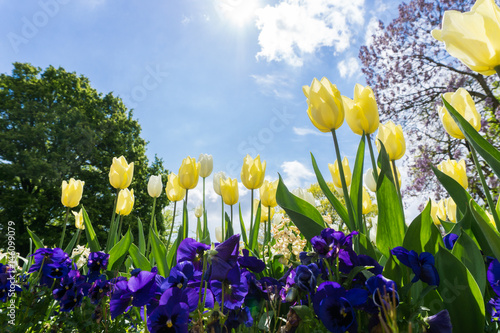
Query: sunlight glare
pixel 239 12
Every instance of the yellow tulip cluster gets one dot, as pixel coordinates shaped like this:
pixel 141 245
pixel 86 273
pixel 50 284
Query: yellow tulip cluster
pixel 445 210
pixel 120 177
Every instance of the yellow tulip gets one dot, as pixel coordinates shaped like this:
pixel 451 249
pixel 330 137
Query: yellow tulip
pixel 268 193
pixel 441 211
pixel 264 211
pixel 455 170
pixel 174 191
pixel 334 170
pixel 325 106
pixel 229 190
pixel 367 202
pixel 393 140
pixel 218 234
pixel 72 192
pixel 463 103
pixel 125 202
pixel 189 173
pixel 472 37
pixel 79 220
pixel 361 113
pixel 304 195
pixel 121 173
pixel 253 172
pixel 451 210
pixel 206 165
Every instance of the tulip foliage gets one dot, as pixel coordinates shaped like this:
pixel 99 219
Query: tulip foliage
pixel 437 273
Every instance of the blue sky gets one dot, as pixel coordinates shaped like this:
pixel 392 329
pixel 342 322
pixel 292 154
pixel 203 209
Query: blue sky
pixel 222 77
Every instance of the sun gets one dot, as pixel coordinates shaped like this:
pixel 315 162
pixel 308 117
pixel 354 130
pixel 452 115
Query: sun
pixel 238 12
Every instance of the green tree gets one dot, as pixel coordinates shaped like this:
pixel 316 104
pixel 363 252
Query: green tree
pixel 54 126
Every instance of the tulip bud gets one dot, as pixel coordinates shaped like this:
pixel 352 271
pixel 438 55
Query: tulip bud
pixel 268 193
pixel 451 209
pixel 463 104
pixel 253 172
pixel 155 186
pixel 367 202
pixel 218 176
pixel 79 220
pixel 72 192
pixel 393 140
pixel 370 180
pixel 198 211
pixel 472 37
pixel 361 113
pixel 325 106
pixel 218 234
pixel 125 202
pixel 441 210
pixel 189 173
pixel 229 190
pixel 334 170
pixel 264 211
pixel 304 195
pixel 206 165
pixel 174 191
pixel 455 170
pixel 121 173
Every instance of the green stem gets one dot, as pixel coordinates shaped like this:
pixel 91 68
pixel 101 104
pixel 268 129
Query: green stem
pixel 268 224
pixel 396 181
pixel 185 223
pixel 64 228
pixel 119 234
pixel 146 319
pixel 172 226
pixel 231 225
pixel 78 237
pixel 205 226
pixel 372 155
pixel 153 221
pixel 485 186
pixel 223 238
pixel 342 180
pixel 251 215
pixel 111 239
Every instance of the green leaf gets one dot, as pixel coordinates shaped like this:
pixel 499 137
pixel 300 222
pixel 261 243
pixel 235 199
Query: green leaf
pixel 422 235
pixel 140 232
pixel 488 238
pixel 365 246
pixel 206 233
pixel 90 233
pixel 393 271
pixel 467 251
pixel 357 185
pixel 460 293
pixel 243 229
pixel 38 243
pixel 454 189
pixel 339 208
pixel 304 215
pixel 490 154
pixel 119 251
pixel 139 260
pixel 265 320
pixel 160 253
pixel 229 224
pixel 71 244
pixel 390 224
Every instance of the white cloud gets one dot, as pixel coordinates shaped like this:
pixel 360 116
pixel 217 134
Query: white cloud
pixel 306 131
pixel 296 175
pixel 348 67
pixel 294 28
pixel 185 20
pixel 274 84
pixel 371 29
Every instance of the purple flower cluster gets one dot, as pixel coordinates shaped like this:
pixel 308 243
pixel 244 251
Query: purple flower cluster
pixel 328 280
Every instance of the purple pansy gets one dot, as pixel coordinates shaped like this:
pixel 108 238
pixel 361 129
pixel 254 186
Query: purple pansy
pixel 422 265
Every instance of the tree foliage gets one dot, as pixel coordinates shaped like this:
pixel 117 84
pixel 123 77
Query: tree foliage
pixel 409 71
pixel 54 126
